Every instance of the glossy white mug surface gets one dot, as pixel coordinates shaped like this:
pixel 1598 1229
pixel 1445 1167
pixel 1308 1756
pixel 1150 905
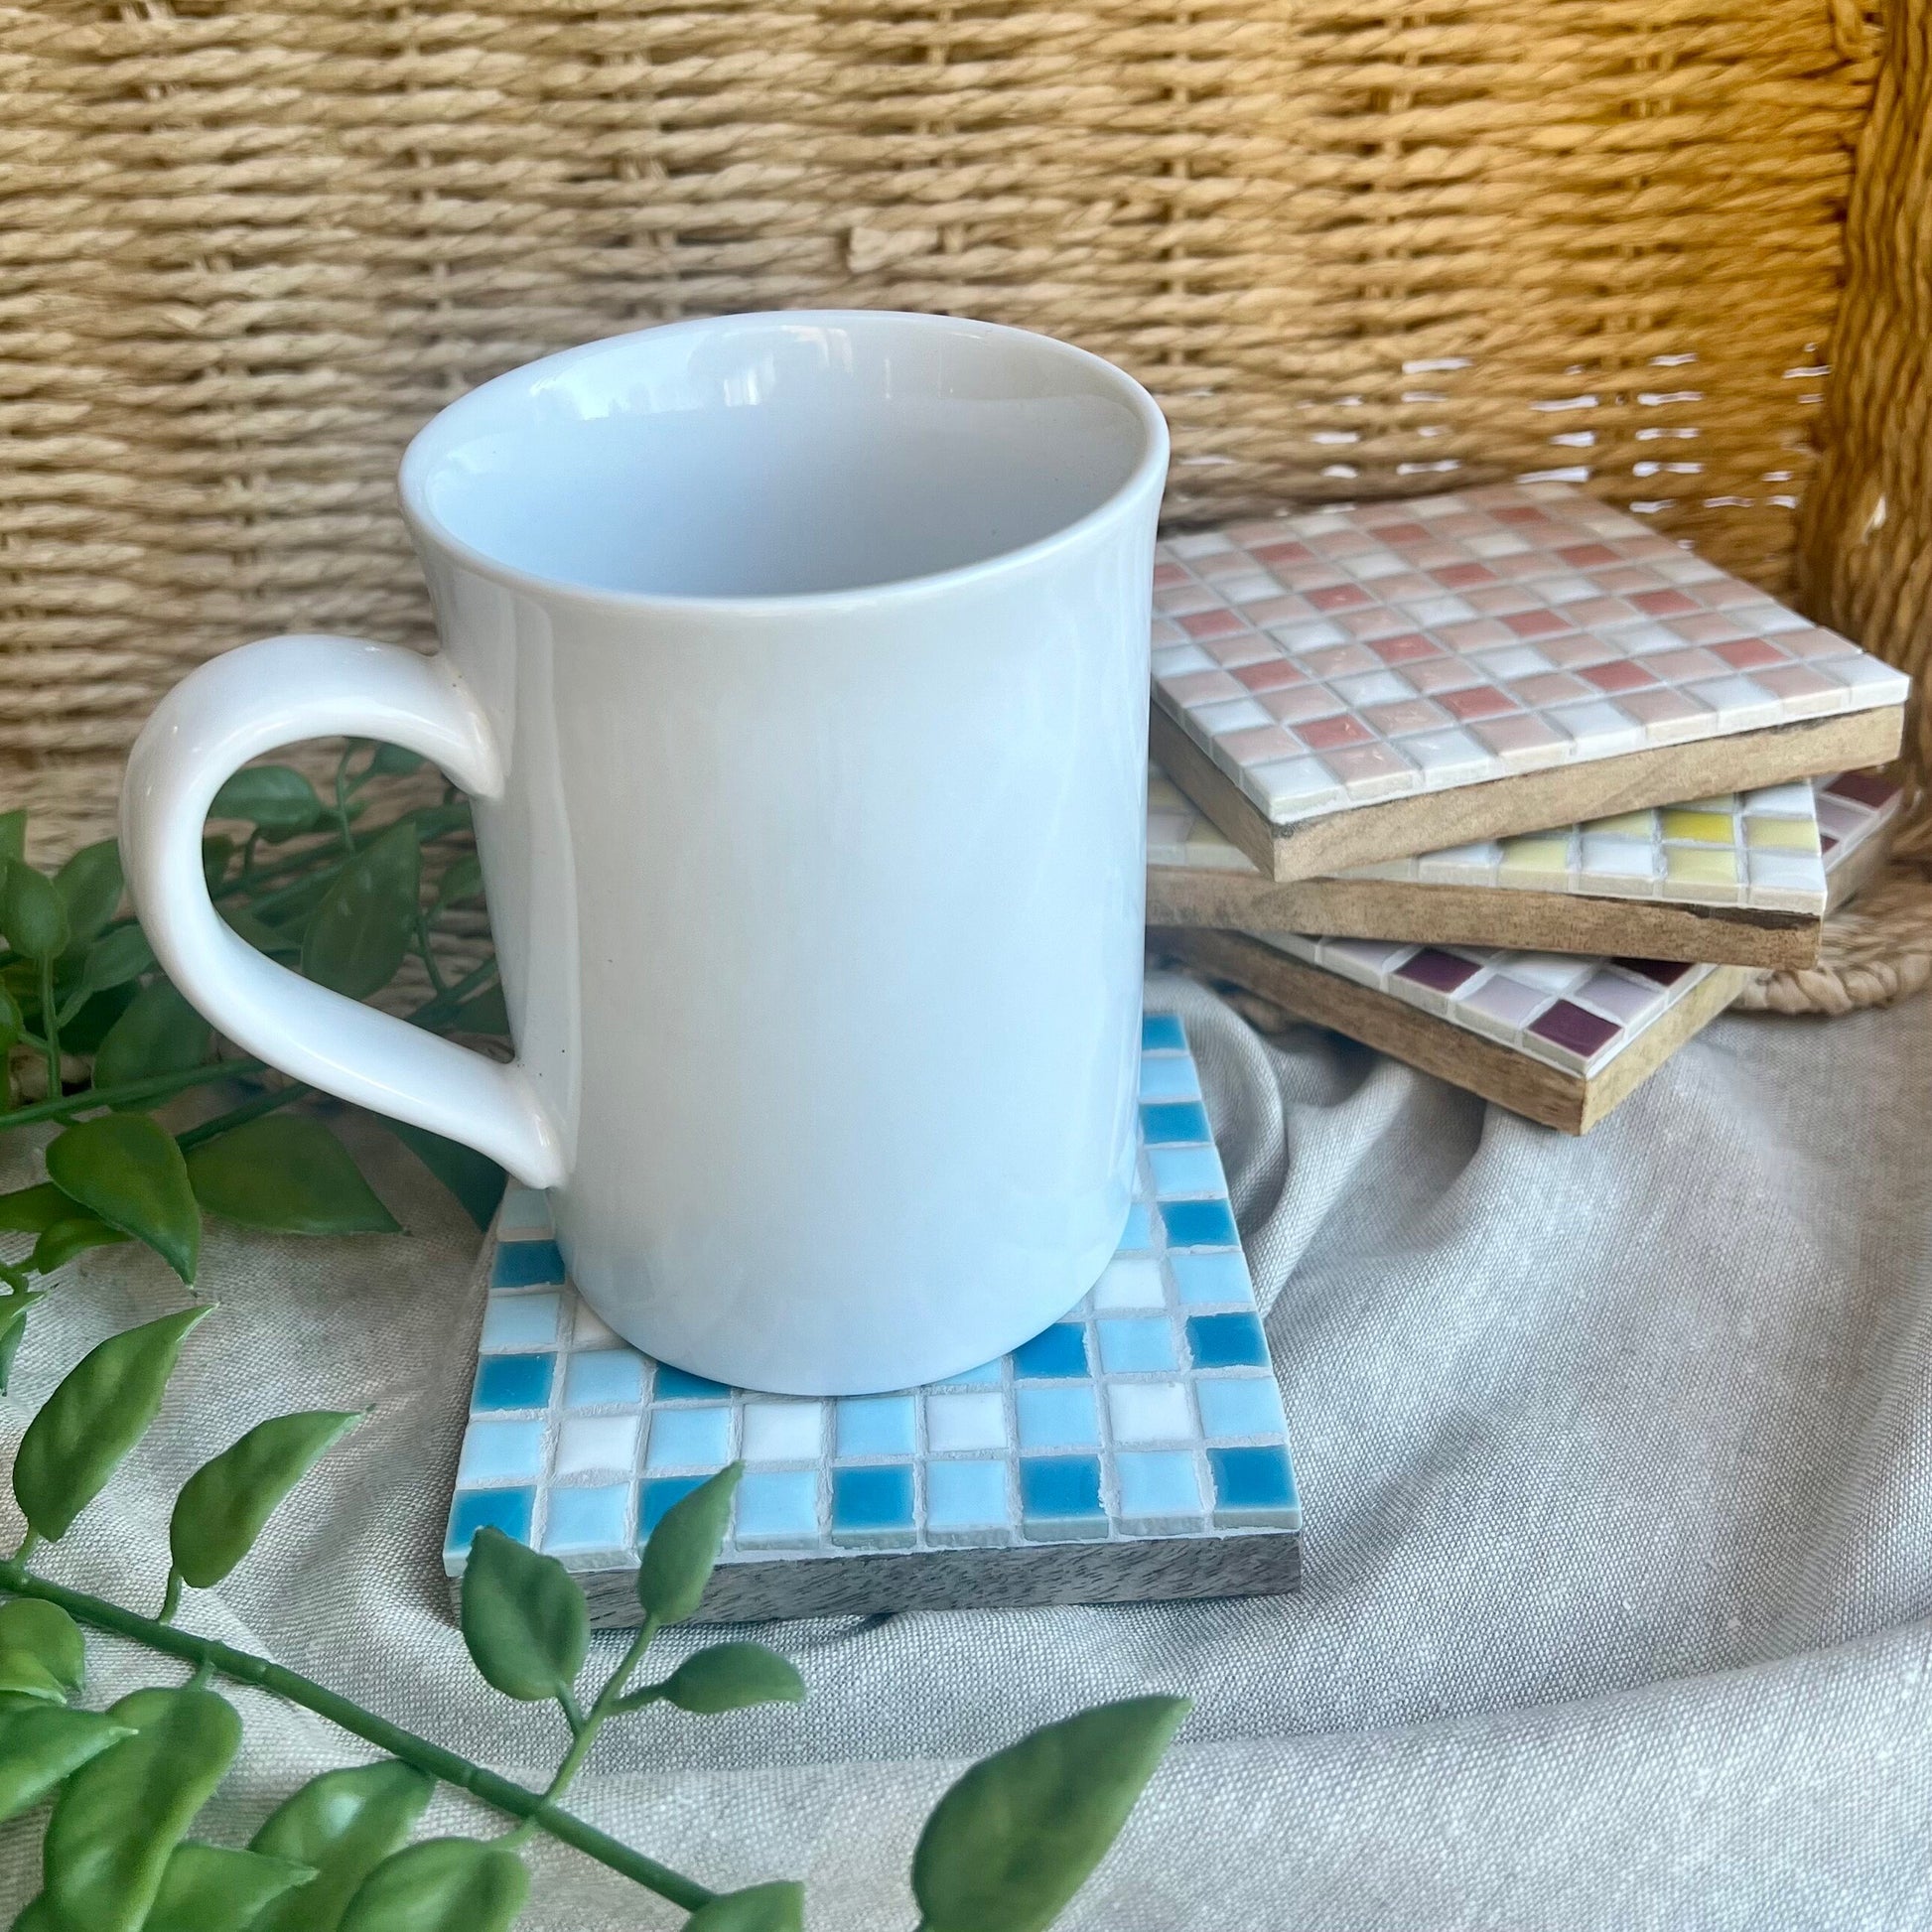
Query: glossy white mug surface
pixel 796 665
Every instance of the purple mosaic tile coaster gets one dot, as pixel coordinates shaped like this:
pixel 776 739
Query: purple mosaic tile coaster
pixel 1349 656
pixel 1571 1012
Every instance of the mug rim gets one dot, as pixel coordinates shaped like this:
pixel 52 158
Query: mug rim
pixel 1150 467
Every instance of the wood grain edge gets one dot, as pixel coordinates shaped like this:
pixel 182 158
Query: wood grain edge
pixel 1605 1091
pixel 1484 915
pixel 1529 801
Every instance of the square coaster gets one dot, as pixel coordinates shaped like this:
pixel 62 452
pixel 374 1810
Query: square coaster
pixel 1135 1450
pixel 1558 1038
pixel 1356 685
pixel 1737 879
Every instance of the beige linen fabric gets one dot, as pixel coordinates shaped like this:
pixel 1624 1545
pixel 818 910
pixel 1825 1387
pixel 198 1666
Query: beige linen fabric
pixel 1619 1471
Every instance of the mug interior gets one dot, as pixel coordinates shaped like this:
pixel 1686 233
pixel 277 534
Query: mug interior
pixel 781 455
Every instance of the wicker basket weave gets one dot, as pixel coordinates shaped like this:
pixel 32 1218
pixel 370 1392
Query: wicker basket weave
pixel 1356 250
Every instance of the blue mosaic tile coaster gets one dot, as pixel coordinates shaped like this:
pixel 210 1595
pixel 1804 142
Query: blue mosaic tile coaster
pixel 1134 1450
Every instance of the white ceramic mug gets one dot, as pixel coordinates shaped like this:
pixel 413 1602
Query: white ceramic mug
pixel 797 668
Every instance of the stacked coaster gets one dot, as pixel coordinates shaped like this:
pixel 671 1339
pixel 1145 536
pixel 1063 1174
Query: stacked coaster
pixel 1505 730
pixel 1135 1450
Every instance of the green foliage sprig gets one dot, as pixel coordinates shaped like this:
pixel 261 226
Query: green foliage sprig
pixel 1004 1849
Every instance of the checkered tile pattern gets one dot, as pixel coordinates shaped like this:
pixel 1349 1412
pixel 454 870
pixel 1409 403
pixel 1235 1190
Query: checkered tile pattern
pixel 1571 1012
pixel 1349 656
pixel 1150 1410
pixel 1756 848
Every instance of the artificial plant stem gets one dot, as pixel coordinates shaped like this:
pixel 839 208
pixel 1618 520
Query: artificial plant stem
pixel 133 1093
pixel 430 966
pixel 498 1792
pixel 51 1022
pixel 262 1103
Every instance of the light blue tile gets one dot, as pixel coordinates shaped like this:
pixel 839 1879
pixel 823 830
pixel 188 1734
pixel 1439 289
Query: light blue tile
pixel 1057 1417
pixel 876 1425
pixel 501 1452
pixel 525 1210
pixel 1182 1171
pixel 1168 1077
pixel 1239 1405
pixel 1200 1224
pixel 1227 1342
pixel 1213 1280
pixel 1254 1486
pixel 1137 1342
pixel 874 1503
pixel 520 1321
pixel 603 1376
pixel 1161 1032
pixel 1159 1486
pixel 1137 1237
pixel 966 1495
pixel 689 1439
pixel 527 1264
pixel 513 1382
pixel 588 1519
pixel 986 1375
pixel 470 1511
pixel 777 1506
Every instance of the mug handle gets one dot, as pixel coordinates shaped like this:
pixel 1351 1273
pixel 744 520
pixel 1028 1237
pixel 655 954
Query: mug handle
pixel 253 700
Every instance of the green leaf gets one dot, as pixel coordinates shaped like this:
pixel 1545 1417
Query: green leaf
pixel 733 1676
pixel 222 1506
pixel 210 1889
pixel 11 1023
pixel 45 1747
pixel 463 880
pixel 776 1907
pixel 32 913
pixel 125 1170
pixel 523 1617
pixel 13 1325
pixel 89 887
pixel 160 1033
pixel 487 1013
pixel 115 958
pixel 217 850
pixel 362 930
pixel 474 1178
pixel 275 798
pixel 444 1884
pixel 34 1917
pixel 279 942
pixel 13 834
pixel 83 1032
pixel 392 761
pixel 60 1243
pixel 119 1818
pixel 97 1414
pixel 678 1559
pixel 344 1824
pixel 31 1210
pixel 289 1173
pixel 1012 1842
pixel 42 1652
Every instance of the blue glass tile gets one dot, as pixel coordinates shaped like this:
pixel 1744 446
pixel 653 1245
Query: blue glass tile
pixel 778 1505
pixel 1137 1237
pixel 1212 1278
pixel 513 1382
pixel 1239 1405
pixel 524 1210
pixel 1227 1342
pixel 507 1510
pixel 1058 1350
pixel 1137 1342
pixel 1058 1487
pixel 1163 1078
pixel 680 1385
pixel 872 1499
pixel 1200 1224
pixel 876 1425
pixel 689 1439
pixel 1057 1417
pixel 501 1452
pixel 1158 1482
pixel 1162 1032
pixel 656 1496
pixel 586 1519
pixel 965 1495
pixel 520 1321
pixel 603 1375
pixel 987 1374
pixel 1252 1479
pixel 527 1264
pixel 1179 1171
pixel 1173 1122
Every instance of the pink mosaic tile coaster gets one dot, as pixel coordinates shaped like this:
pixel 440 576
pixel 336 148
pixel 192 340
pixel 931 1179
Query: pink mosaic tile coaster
pixel 1348 657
